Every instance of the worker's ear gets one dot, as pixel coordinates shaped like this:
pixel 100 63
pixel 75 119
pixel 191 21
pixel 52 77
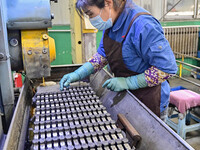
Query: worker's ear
pixel 109 3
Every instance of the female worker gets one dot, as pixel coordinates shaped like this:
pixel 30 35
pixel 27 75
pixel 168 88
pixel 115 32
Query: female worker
pixel 134 46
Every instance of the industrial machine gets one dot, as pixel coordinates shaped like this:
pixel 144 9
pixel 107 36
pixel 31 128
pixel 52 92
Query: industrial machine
pixel 154 133
pixel 25 45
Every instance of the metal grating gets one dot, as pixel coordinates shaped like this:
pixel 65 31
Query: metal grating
pixel 183 40
pixel 74 119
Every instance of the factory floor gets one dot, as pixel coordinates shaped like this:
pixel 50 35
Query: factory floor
pixel 193 138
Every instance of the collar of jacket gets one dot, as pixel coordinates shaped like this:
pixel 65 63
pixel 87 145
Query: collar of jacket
pixel 124 14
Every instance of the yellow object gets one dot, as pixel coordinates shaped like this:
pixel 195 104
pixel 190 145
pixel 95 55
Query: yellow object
pixel 38 50
pixel 45 36
pixel 43 81
pixel 76 34
pixel 87 26
pixel 181 67
pixel 90 31
pixel 52 49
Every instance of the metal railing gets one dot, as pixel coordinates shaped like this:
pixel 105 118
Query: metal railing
pixel 181 67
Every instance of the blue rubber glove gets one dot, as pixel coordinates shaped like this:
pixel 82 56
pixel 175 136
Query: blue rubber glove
pixel 79 74
pixel 130 83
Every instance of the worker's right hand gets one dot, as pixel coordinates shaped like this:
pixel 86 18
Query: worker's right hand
pixel 67 79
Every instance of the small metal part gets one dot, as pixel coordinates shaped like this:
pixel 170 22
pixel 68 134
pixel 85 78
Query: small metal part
pixel 45 36
pixel 85 146
pixel 65 123
pixel 14 42
pixel 48 124
pixel 78 147
pixel 69 141
pixel 54 132
pixel 29 52
pixel 106 135
pixel 67 131
pixel 120 146
pixel 62 141
pixel 105 144
pixel 48 133
pixel 49 143
pixel 42 144
pixel 126 146
pixel 85 130
pixel 113 135
pixel 113 125
pixel 42 134
pixel 113 147
pixel 70 147
pixel 124 140
pixel 53 123
pixel 91 145
pixel 59 124
pixel 60 131
pixel 73 131
pixel 82 139
pixel 111 142
pixel 36 134
pixel 88 138
pixel 35 145
pixel 75 141
pixel 55 142
pixel 119 133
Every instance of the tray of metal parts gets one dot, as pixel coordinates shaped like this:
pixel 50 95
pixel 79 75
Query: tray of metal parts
pixel 73 119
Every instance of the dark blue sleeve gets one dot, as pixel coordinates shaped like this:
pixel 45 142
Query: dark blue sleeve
pixel 155 48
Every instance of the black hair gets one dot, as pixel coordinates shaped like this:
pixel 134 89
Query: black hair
pixel 82 4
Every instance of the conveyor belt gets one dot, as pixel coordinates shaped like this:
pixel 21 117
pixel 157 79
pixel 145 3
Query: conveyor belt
pixel 74 119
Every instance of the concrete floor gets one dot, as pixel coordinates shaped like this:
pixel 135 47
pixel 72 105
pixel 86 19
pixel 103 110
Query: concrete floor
pixel 193 138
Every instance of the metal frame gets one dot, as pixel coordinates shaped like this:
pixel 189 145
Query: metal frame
pixel 5 68
pixel 186 17
pixel 35 14
pixel 18 128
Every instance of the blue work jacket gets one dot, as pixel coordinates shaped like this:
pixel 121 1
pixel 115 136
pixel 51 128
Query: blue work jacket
pixel 145 45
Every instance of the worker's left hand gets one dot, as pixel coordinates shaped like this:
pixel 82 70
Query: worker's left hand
pixel 116 84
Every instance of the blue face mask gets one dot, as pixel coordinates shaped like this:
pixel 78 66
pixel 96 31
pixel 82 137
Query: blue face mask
pixel 98 22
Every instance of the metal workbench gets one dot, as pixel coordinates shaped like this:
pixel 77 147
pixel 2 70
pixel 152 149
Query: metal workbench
pixel 155 134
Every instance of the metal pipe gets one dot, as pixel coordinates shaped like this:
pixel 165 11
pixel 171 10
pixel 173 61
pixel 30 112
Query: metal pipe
pixel 168 27
pixel 59 30
pixel 187 55
pixel 191 71
pixel 188 64
pixel 181 67
pixel 189 81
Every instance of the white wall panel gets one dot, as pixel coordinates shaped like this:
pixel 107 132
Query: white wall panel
pixel 61 12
